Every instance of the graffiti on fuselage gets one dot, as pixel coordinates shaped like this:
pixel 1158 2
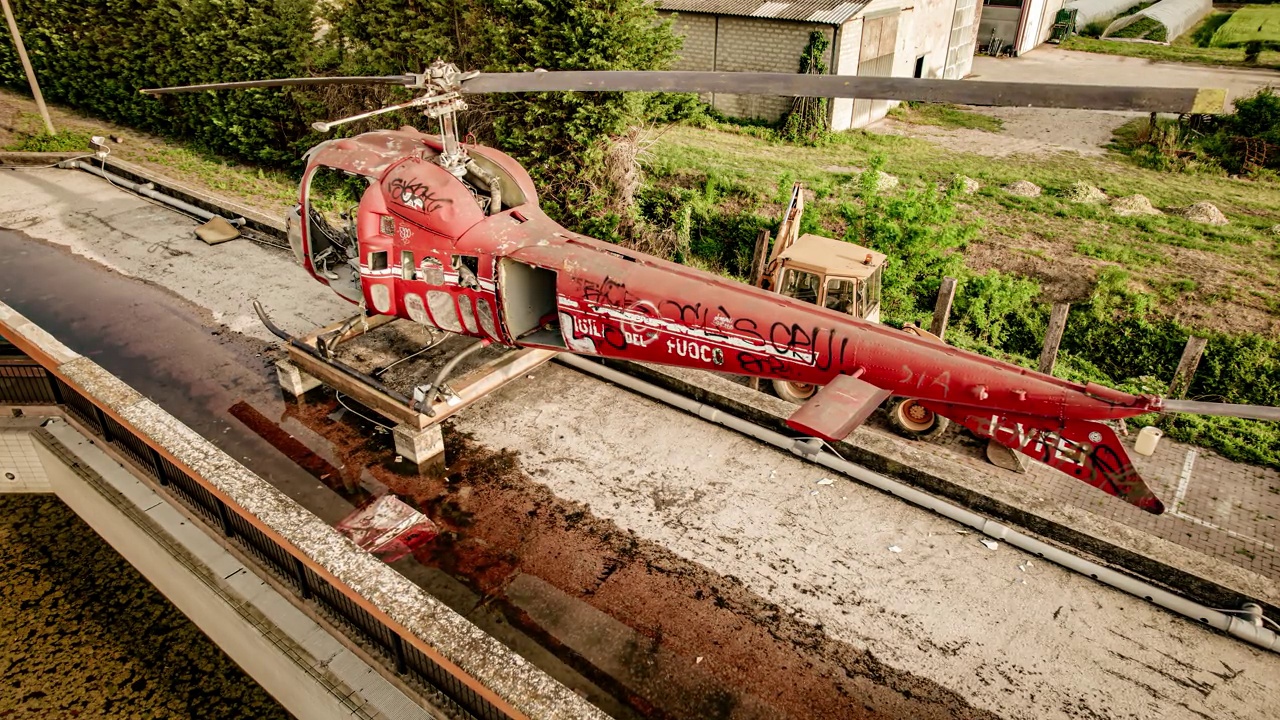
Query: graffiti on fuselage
pixel 1093 460
pixel 613 318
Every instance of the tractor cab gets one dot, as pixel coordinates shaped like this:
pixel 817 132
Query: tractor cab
pixel 832 273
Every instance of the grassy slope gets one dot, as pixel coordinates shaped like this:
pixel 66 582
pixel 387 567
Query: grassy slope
pixel 1199 270
pixel 946 116
pixel 1251 23
pixel 1182 49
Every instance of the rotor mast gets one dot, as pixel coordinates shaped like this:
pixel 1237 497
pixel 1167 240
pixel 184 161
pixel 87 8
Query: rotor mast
pixel 442 101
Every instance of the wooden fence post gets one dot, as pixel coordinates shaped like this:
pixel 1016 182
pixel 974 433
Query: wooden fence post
pixel 1053 337
pixel 1187 367
pixel 942 311
pixel 758 259
pixel 26 65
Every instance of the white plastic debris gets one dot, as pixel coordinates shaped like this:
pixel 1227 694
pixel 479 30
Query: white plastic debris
pixel 962 532
pixel 826 481
pixel 815 492
pixel 895 548
pixel 991 544
pixel 695 662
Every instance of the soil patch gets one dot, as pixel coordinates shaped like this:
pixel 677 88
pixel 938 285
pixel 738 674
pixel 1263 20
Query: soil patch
pixel 700 645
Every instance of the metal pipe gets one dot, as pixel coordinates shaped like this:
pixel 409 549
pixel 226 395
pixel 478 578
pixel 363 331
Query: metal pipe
pixel 146 191
pixel 433 390
pixel 811 449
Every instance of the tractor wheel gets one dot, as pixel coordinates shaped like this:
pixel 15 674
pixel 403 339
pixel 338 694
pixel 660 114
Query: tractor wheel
pixel 793 391
pixel 911 419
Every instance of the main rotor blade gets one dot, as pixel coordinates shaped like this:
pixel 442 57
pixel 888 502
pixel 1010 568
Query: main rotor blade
pixel 357 80
pixel 962 92
pixel 1251 412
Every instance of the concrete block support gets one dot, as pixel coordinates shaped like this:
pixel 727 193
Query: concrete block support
pixel 293 381
pixel 424 447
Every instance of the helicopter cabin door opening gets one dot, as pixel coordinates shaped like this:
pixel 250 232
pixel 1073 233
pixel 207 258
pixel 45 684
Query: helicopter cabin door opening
pixel 330 201
pixel 529 305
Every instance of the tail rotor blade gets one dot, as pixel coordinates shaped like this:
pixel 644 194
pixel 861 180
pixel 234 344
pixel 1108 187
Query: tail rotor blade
pixel 964 92
pixel 1249 412
pixel 282 82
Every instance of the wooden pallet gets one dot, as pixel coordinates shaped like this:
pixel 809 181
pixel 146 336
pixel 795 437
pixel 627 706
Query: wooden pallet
pixel 468 388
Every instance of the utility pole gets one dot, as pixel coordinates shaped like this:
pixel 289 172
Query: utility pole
pixel 26 65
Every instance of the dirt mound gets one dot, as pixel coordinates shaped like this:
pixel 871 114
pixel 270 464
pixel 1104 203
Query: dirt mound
pixel 968 185
pixel 1275 229
pixel 1083 192
pixel 885 181
pixel 1204 212
pixel 1022 188
pixel 1133 205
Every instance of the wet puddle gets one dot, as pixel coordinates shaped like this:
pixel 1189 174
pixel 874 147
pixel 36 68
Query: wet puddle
pixel 637 630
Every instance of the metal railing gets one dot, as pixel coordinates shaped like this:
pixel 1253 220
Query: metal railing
pixel 25 382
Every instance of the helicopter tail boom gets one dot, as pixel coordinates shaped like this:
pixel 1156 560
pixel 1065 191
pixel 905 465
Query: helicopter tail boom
pixel 1086 450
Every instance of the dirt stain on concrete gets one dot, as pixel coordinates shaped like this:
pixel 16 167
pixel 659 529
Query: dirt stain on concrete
pixel 662 633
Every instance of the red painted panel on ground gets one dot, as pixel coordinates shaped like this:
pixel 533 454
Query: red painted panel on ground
pixel 388 528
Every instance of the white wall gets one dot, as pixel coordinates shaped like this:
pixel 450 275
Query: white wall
pixel 738 44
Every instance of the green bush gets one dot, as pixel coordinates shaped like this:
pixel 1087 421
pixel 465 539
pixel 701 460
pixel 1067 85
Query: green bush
pixel 918 230
pixel 95 56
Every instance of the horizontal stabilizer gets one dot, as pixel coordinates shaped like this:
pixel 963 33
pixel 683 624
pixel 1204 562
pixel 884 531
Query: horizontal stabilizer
pixel 838 408
pixel 1088 451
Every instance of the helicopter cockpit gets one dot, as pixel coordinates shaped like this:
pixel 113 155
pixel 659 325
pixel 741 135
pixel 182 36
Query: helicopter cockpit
pixel 331 204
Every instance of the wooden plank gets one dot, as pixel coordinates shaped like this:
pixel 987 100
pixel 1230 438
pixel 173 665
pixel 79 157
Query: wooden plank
pixel 1053 337
pixel 963 92
pixel 1187 364
pixel 371 397
pixel 374 322
pixel 942 310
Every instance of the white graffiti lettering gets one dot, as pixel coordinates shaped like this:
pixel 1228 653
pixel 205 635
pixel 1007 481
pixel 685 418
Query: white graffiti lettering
pixel 695 351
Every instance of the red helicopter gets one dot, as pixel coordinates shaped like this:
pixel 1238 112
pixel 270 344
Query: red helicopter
pixel 450 235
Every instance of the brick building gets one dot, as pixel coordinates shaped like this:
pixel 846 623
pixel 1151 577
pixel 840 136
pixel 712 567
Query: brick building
pixel 900 38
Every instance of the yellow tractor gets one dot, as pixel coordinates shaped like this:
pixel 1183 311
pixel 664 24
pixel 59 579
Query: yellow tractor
pixel 844 277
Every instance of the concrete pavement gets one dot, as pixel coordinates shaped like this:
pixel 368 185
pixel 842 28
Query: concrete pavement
pixel 980 632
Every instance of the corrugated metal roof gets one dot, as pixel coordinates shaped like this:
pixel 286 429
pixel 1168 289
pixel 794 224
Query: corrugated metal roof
pixel 826 12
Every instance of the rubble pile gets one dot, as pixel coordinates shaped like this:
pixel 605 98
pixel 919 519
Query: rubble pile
pixel 1204 212
pixel 1083 192
pixel 1133 205
pixel 1023 188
